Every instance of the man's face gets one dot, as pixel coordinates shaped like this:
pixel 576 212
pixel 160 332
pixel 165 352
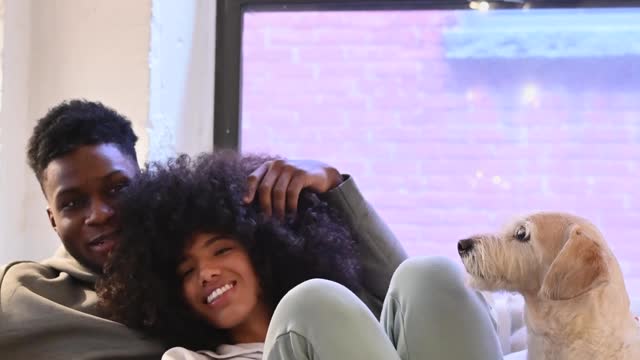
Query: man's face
pixel 82 188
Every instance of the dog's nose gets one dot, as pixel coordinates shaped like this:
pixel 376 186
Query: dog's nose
pixel 465 246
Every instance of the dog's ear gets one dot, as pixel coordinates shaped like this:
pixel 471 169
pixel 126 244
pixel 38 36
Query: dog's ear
pixel 579 267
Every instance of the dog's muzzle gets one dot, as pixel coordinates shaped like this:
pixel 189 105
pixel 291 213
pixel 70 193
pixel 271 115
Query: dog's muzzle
pixel 465 246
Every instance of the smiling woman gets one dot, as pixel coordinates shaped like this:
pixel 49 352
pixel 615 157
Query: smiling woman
pixel 203 271
pixel 208 269
pixel 220 284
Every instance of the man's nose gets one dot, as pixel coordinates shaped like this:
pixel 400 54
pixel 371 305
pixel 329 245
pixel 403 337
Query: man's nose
pixel 100 212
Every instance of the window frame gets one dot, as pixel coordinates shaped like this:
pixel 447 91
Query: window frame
pixel 228 57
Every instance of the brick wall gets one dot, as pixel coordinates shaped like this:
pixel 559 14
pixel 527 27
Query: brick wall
pixel 445 147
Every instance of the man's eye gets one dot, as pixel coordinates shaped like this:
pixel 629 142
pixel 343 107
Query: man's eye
pixel 71 204
pixel 116 189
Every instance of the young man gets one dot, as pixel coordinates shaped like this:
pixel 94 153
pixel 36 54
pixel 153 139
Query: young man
pixel 83 155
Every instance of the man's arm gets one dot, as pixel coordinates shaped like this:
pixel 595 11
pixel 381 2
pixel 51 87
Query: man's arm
pixel 380 251
pixel 277 186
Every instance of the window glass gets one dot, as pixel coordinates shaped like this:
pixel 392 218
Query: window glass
pixel 452 122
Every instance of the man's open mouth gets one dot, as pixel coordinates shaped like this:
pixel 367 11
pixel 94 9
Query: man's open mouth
pixel 104 242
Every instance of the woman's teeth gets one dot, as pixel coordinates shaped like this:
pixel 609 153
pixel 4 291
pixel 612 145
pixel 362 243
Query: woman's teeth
pixel 218 292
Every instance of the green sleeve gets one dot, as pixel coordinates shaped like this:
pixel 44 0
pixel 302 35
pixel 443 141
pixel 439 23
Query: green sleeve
pixel 379 249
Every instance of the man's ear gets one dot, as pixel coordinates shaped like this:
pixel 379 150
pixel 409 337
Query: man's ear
pixel 579 267
pixel 52 220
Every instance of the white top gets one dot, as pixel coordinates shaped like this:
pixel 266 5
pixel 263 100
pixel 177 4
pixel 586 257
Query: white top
pixel 250 351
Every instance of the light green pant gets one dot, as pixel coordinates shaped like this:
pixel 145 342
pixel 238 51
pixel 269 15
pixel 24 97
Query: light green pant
pixel 428 314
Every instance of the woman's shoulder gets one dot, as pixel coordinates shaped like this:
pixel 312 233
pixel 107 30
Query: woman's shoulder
pixel 252 351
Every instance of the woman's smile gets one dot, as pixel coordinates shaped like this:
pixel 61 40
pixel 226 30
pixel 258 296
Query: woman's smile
pixel 216 296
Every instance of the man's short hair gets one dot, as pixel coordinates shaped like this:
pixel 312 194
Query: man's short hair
pixel 75 123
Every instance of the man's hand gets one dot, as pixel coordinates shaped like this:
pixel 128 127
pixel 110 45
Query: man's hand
pixel 278 183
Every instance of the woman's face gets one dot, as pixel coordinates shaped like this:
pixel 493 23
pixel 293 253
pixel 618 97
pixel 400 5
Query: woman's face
pixel 219 282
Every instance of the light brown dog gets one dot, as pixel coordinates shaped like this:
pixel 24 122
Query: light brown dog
pixel 577 306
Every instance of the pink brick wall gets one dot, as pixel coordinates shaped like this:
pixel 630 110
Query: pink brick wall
pixel 440 150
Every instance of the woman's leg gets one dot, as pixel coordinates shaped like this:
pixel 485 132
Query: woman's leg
pixel 323 320
pixel 429 313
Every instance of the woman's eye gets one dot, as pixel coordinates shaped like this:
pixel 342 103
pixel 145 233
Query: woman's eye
pixel 222 251
pixel 186 273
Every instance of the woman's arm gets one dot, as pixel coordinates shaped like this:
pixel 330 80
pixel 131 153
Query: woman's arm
pixel 380 251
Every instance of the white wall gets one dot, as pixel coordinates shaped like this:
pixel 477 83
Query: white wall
pixel 182 72
pixel 99 50
pixel 14 128
pixel 1 45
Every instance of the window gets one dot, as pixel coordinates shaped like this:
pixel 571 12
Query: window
pixel 452 120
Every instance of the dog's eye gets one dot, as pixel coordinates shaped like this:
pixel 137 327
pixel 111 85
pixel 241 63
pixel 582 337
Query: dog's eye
pixel 522 234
